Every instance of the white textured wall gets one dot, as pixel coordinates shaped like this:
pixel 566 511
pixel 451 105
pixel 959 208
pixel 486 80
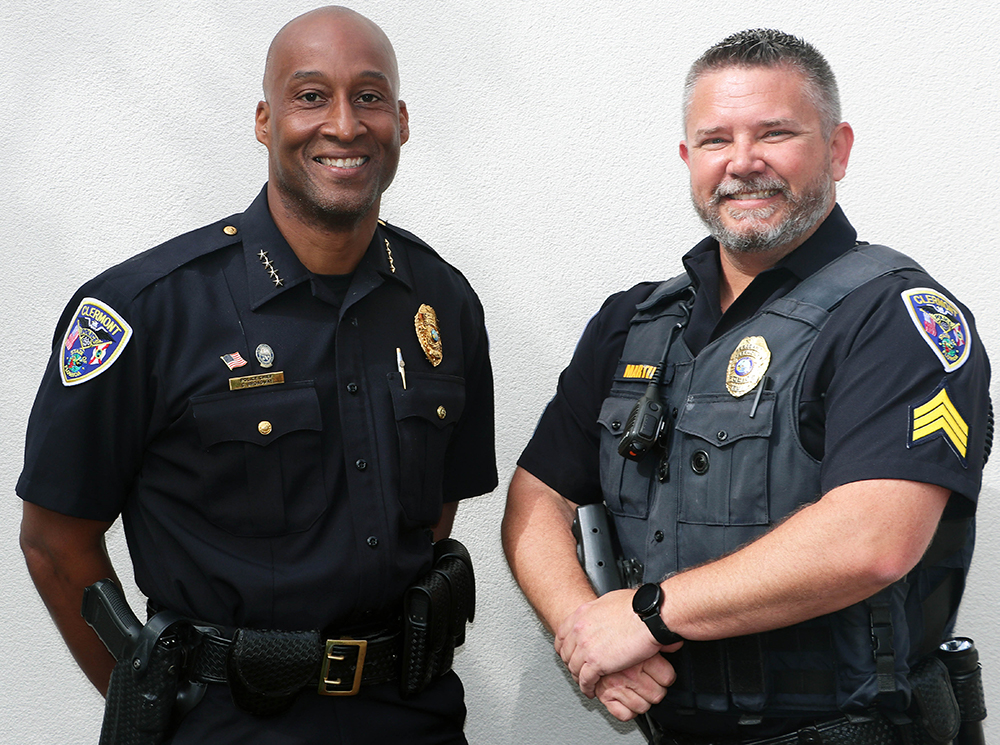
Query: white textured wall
pixel 542 161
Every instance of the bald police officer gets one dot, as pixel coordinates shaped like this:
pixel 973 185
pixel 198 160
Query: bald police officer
pixel 800 481
pixel 290 403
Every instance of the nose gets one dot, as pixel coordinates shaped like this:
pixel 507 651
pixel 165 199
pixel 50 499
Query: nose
pixel 342 122
pixel 746 158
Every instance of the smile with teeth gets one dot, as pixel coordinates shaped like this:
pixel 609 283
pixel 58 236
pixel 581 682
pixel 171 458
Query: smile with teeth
pixel 342 162
pixel 747 195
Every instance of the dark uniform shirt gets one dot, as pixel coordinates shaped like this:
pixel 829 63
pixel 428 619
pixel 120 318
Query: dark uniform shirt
pixel 855 408
pixel 295 505
pixel 868 370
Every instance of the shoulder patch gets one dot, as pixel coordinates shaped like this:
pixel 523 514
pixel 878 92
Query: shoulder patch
pixel 941 324
pixel 938 417
pixel 95 338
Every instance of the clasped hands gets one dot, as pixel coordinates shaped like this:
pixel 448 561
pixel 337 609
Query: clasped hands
pixel 613 656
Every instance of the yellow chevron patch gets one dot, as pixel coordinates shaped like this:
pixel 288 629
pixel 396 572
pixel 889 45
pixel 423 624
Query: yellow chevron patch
pixel 939 417
pixel 639 371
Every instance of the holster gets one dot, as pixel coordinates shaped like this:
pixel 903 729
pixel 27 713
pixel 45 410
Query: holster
pixel 435 611
pixel 143 690
pixel 934 710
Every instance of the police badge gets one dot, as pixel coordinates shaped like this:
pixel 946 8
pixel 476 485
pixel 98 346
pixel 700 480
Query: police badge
pixel 941 324
pixel 747 365
pixel 428 334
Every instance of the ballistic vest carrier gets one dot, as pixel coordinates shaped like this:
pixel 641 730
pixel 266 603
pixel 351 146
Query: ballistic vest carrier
pixel 733 466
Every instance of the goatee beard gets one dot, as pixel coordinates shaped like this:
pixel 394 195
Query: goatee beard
pixel 803 212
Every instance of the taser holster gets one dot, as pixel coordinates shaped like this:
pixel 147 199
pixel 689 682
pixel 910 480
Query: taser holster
pixel 436 610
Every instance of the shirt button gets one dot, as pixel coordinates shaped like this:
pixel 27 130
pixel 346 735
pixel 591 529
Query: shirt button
pixel 352 388
pixel 361 464
pixel 442 412
pixel 616 425
pixel 354 320
pixel 658 536
pixel 264 427
pixel 722 435
pixel 373 541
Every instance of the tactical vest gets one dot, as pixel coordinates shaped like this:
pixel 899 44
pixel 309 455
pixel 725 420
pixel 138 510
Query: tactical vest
pixel 729 469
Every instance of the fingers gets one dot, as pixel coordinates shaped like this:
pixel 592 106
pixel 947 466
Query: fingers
pixel 631 692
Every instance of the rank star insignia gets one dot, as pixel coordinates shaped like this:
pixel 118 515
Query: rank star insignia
pixel 747 365
pixel 941 324
pixel 270 268
pixel 428 334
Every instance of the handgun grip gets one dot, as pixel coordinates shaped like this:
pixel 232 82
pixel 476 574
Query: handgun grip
pixel 106 610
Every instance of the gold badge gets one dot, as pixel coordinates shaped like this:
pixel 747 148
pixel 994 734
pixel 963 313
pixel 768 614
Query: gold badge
pixel 426 323
pixel 747 365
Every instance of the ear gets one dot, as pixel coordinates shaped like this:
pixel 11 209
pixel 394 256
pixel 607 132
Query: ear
pixel 841 142
pixel 685 155
pixel 262 117
pixel 404 123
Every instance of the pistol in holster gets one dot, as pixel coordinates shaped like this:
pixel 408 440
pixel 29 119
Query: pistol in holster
pixel 435 611
pixel 145 695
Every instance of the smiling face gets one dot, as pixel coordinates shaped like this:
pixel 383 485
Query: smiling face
pixel 762 173
pixel 331 119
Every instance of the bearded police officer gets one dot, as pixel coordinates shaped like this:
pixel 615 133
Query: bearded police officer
pixel 287 406
pixel 788 437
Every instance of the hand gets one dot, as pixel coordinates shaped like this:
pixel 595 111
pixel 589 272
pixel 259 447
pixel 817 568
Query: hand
pixel 633 691
pixel 603 637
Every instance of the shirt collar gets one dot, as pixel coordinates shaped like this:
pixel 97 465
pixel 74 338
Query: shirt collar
pixel 273 268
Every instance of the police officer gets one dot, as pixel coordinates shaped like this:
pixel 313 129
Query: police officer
pixel 284 407
pixel 800 484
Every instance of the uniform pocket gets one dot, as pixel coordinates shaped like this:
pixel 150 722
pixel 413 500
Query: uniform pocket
pixel 722 497
pixel 626 483
pixel 426 412
pixel 264 460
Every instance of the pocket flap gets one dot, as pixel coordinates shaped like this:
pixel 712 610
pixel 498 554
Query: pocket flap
pixel 258 417
pixel 615 413
pixel 722 420
pixel 438 399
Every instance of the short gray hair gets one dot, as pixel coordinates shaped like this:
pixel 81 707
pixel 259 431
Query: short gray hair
pixel 766 47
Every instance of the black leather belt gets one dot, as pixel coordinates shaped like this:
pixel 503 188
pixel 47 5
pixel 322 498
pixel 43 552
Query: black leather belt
pixel 342 665
pixel 874 731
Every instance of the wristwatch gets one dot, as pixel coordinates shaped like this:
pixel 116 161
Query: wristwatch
pixel 646 603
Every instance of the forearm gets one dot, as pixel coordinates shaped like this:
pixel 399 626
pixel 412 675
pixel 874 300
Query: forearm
pixel 61 567
pixel 540 548
pixel 853 542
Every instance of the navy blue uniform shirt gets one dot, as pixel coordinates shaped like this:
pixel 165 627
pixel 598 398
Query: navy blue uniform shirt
pixel 867 369
pixel 299 505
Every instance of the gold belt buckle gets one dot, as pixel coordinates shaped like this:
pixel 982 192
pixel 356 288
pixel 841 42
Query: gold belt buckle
pixel 338 658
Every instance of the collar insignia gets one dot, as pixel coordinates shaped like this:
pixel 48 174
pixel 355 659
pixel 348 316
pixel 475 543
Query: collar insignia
pixel 428 334
pixel 96 336
pixel 747 365
pixel 941 324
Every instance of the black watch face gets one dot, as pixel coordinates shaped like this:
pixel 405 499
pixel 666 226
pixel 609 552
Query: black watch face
pixel 646 599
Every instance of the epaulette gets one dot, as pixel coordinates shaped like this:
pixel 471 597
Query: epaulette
pixel 135 274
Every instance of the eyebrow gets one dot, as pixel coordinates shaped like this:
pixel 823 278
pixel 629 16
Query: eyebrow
pixel 762 124
pixel 370 74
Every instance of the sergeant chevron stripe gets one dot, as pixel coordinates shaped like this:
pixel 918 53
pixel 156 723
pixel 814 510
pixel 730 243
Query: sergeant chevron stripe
pixel 939 418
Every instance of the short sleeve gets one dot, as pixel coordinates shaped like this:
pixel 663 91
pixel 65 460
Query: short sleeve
pixel 89 420
pixel 564 450
pixel 896 406
pixel 470 465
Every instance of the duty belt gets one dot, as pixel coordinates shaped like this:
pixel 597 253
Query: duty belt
pixel 339 667
pixel 876 730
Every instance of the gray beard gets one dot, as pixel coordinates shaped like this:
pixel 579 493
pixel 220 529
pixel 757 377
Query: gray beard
pixel 804 211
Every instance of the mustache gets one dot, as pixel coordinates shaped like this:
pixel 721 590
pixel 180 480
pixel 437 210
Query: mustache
pixel 737 185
